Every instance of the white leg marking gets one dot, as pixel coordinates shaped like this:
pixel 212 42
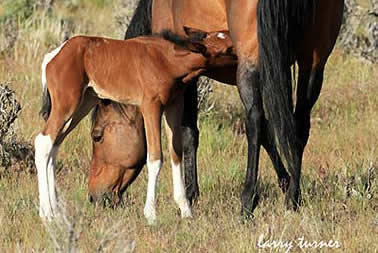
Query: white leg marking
pixel 45 155
pixel 153 168
pixel 48 58
pixel 179 191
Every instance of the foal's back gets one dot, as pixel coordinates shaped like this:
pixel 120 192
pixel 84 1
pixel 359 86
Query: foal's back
pixel 148 64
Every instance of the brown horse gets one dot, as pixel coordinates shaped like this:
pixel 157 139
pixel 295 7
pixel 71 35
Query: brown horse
pixel 268 36
pixel 119 149
pixel 141 71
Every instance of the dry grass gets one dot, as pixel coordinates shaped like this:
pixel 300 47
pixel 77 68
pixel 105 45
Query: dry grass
pixel 339 180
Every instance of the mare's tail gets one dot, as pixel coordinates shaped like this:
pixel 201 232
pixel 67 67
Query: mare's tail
pixel 281 25
pixel 140 23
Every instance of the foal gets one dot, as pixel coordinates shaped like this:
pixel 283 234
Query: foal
pixel 141 71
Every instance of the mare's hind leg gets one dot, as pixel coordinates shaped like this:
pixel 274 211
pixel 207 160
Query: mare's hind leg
pixel 173 115
pixel 269 145
pixel 47 145
pixel 190 135
pixel 249 90
pixel 309 85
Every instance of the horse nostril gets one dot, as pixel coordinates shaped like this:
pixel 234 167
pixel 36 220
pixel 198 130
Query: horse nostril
pixel 90 198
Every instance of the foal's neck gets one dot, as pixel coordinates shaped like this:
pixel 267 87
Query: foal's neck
pixel 187 62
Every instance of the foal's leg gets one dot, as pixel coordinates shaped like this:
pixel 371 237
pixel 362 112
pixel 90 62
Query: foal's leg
pixel 173 114
pixel 152 112
pixel 190 135
pixel 249 90
pixel 47 144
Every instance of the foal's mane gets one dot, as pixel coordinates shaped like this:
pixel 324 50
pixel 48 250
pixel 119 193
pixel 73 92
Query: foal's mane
pixel 184 42
pixel 180 40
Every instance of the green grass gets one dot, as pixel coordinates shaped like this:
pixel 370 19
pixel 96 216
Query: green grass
pixel 339 182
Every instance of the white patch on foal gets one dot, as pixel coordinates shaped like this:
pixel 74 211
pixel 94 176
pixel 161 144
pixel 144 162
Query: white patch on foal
pixel 221 36
pixel 179 194
pixel 153 168
pixel 48 58
pixel 45 155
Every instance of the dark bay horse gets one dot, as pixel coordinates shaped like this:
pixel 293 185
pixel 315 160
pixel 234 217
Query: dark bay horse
pixel 269 36
pixel 150 72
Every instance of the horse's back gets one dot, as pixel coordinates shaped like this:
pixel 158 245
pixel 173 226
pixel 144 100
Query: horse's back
pixel 175 14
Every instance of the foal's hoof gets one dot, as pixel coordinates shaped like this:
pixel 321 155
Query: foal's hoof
pixel 47 215
pixel 151 221
pixel 187 213
pixel 150 215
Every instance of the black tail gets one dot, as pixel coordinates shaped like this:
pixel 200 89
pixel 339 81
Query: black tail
pixel 140 23
pixel 281 25
pixel 46 104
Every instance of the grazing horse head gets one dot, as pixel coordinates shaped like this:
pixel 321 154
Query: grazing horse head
pixel 119 150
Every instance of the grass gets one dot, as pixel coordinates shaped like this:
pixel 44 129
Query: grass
pixel 339 183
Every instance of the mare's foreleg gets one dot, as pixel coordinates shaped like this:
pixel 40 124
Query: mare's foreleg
pixel 190 135
pixel 173 115
pixel 249 90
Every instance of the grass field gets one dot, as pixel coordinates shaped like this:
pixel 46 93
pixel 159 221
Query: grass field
pixel 339 182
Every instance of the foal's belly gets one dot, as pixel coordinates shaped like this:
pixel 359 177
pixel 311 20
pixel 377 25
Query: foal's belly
pixel 115 93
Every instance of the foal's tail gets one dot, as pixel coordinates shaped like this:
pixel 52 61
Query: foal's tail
pixel 281 24
pixel 46 104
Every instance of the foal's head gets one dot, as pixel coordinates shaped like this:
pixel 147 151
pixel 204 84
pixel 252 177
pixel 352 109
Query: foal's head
pixel 119 150
pixel 215 46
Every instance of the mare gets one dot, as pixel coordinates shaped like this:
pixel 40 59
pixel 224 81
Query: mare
pixel 141 71
pixel 269 36
pixel 119 150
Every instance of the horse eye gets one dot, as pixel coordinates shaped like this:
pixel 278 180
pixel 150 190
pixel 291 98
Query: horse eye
pixel 97 135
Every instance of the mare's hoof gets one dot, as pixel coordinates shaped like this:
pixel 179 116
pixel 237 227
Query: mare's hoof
pixel 283 183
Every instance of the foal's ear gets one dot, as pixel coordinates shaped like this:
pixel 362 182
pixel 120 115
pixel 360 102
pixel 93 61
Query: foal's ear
pixel 197 47
pixel 194 33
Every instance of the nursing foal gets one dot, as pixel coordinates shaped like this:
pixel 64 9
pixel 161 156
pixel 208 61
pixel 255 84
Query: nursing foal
pixel 141 71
